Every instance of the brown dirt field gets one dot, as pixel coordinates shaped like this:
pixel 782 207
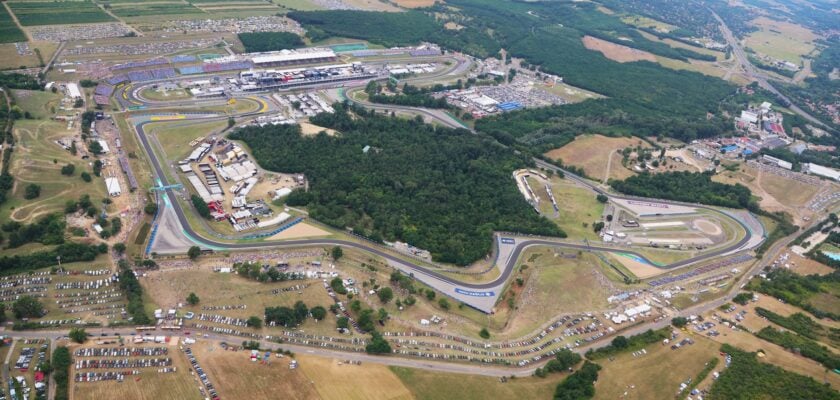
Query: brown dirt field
pixel 592 152
pixel 301 230
pixel 617 52
pixel 150 386
pixel 312 129
pixel 236 377
pixel 655 375
pixel 787 191
pixel 332 380
pixel 415 3
pixel 805 266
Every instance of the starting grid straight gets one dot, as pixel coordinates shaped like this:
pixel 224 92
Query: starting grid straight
pixel 702 270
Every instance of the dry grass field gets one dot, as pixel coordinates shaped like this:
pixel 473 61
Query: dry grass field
pixel 334 380
pixel 235 376
pixel 593 152
pixel 782 40
pixel 617 52
pixel 556 284
pixel 578 207
pixel 429 385
pixel 415 3
pixel 655 375
pixel 149 385
pixel 806 266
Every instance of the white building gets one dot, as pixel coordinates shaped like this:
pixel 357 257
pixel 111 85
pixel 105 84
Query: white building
pixel 780 163
pixel 113 186
pixel 816 169
pixel 73 91
pixel 104 145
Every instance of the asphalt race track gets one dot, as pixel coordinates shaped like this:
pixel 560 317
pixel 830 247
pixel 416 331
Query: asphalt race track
pixel 482 296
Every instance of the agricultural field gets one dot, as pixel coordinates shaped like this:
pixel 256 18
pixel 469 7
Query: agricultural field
pixel 299 5
pixel 598 155
pixel 781 40
pixel 9 31
pixel 148 385
pixel 430 385
pixel 656 374
pixel 58 13
pixel 414 3
pixel 151 9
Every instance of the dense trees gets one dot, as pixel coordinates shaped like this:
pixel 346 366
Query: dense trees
pixel 687 186
pixel 440 189
pixel 134 292
pixel 200 206
pixel 61 361
pixel 269 41
pixel 579 385
pixel 68 170
pixel 621 343
pixel 748 378
pixel 192 299
pixel 32 191
pixel 28 307
pixel 49 229
pixel 194 252
pixel 285 316
pixel 69 252
pixel 802 345
pixel 77 335
pixel 378 345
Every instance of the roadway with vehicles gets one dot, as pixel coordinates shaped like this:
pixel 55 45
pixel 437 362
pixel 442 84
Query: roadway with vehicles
pixel 753 73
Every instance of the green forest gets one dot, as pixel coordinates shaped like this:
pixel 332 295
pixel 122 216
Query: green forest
pixel 690 187
pixel 269 41
pixel 644 98
pixel 441 189
pixel 748 378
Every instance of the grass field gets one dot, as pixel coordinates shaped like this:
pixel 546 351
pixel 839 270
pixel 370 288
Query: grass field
pixel 673 43
pixel 429 385
pixel 9 31
pixel 334 380
pixel 301 5
pixel 781 40
pixel 175 137
pixel 592 153
pixel 164 95
pixel 236 377
pixel 656 375
pixel 143 10
pixel 556 285
pixel 578 206
pixel 149 385
pixel 38 160
pixel 645 22
pixel 703 67
pixel 58 13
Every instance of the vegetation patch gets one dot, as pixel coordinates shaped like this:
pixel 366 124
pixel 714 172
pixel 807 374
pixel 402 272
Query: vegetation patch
pixel 748 378
pixel 9 31
pixel 269 41
pixel 441 189
pixel 58 13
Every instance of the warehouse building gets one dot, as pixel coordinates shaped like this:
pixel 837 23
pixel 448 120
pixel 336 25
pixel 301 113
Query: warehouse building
pixel 815 169
pixel 113 186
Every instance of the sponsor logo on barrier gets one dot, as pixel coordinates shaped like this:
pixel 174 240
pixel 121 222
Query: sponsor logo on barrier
pixel 508 241
pixel 474 294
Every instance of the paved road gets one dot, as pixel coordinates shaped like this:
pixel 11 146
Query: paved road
pixel 481 296
pixel 751 71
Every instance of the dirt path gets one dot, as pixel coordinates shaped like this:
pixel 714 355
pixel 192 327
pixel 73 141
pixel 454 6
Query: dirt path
pixel 609 166
pixel 804 72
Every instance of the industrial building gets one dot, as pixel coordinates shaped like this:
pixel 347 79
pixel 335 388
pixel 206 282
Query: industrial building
pixel 293 57
pixel 816 169
pixel 73 91
pixel 267 79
